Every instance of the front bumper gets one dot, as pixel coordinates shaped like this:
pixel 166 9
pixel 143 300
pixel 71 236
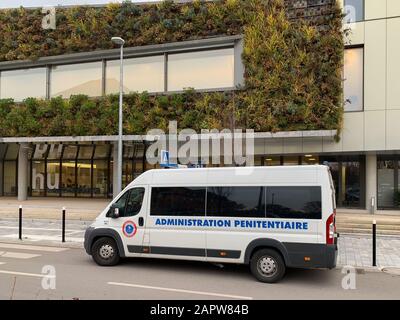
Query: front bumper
pixel 88 240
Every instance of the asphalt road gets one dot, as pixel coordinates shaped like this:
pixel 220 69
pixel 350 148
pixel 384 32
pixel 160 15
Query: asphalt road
pixel 78 277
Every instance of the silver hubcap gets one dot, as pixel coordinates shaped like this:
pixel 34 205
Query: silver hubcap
pixel 106 251
pixel 267 266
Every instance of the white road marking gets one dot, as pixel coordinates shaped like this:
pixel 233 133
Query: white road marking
pixel 15 273
pixel 223 295
pixel 33 248
pixel 18 255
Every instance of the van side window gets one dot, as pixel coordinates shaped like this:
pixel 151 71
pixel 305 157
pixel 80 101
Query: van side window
pixel 294 202
pixel 236 202
pixel 120 204
pixel 134 203
pixel 178 201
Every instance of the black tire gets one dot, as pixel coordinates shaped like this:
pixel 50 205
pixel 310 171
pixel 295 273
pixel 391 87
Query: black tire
pixel 103 247
pixel 267 266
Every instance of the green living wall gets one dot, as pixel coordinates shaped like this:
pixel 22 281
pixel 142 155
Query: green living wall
pixel 292 78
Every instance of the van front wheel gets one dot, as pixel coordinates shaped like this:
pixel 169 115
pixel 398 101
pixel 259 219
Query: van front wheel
pixel 267 266
pixel 105 252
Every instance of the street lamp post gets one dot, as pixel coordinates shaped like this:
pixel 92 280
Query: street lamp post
pixel 119 41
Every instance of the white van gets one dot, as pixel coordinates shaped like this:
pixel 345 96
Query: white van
pixel 267 217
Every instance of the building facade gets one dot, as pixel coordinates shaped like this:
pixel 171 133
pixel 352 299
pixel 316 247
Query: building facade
pixel 364 161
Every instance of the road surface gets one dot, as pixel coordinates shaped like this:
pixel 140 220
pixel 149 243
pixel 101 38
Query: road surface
pixel 78 277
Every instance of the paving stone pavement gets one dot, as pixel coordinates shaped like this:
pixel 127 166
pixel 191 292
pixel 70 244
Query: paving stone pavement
pixel 354 250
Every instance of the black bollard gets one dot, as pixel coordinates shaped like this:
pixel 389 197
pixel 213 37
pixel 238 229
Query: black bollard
pixel 63 224
pixel 20 223
pixel 374 243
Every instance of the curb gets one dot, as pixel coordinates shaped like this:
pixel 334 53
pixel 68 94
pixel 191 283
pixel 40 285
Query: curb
pixel 68 245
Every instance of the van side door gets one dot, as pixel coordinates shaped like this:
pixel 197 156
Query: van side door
pixel 176 223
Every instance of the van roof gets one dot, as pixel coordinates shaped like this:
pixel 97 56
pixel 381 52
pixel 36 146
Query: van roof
pixel 235 175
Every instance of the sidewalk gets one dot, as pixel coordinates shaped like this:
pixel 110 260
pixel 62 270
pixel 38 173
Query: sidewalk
pixel 49 208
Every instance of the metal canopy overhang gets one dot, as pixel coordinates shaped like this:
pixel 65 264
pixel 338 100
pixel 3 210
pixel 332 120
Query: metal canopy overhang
pixel 150 138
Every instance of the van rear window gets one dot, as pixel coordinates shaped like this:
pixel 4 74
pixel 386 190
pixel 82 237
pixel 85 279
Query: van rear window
pixel 294 202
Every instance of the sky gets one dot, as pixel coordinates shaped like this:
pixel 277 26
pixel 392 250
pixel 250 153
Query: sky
pixel 43 3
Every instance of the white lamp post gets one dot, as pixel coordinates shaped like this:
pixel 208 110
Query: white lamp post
pixel 119 41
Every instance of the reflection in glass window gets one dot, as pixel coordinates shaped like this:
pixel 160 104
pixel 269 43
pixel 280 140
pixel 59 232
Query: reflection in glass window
pixel 12 84
pixel 291 161
pixel 386 183
pixel 309 159
pixel 12 152
pixel 68 179
pixel 38 178
pixel 235 202
pixel 354 79
pixel 294 202
pixel 53 178
pixel 84 176
pixel 134 203
pixel 178 201
pixel 86 152
pixel 201 70
pixel 10 176
pixel 85 78
pixel 70 151
pixel 354 10
pixel 100 176
pixel 273 161
pixel 140 74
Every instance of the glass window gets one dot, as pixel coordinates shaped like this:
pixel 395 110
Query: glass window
pixel 291 161
pixel 127 172
pixel 309 159
pixel 140 74
pixel 85 152
pixel 178 201
pixel 102 151
pixel 273 161
pixel 201 70
pixel 55 151
pixel 13 84
pixel 12 152
pixel 236 202
pixel 100 174
pixel 38 178
pixel 68 178
pixel 354 79
pixel 351 184
pixel 3 149
pixel 70 151
pixel 120 204
pixel 53 178
pixel 134 203
pixel 386 183
pixel 84 175
pixel 354 10
pixel 294 202
pixel 72 79
pixel 10 176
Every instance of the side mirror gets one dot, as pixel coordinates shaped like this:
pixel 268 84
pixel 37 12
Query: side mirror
pixel 113 213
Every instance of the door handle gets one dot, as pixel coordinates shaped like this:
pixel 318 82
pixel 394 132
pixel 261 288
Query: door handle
pixel 141 222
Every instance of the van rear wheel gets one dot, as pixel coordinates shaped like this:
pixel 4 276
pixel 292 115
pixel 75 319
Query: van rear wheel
pixel 267 265
pixel 105 252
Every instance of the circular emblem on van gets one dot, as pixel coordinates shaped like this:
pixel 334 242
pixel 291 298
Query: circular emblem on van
pixel 129 229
